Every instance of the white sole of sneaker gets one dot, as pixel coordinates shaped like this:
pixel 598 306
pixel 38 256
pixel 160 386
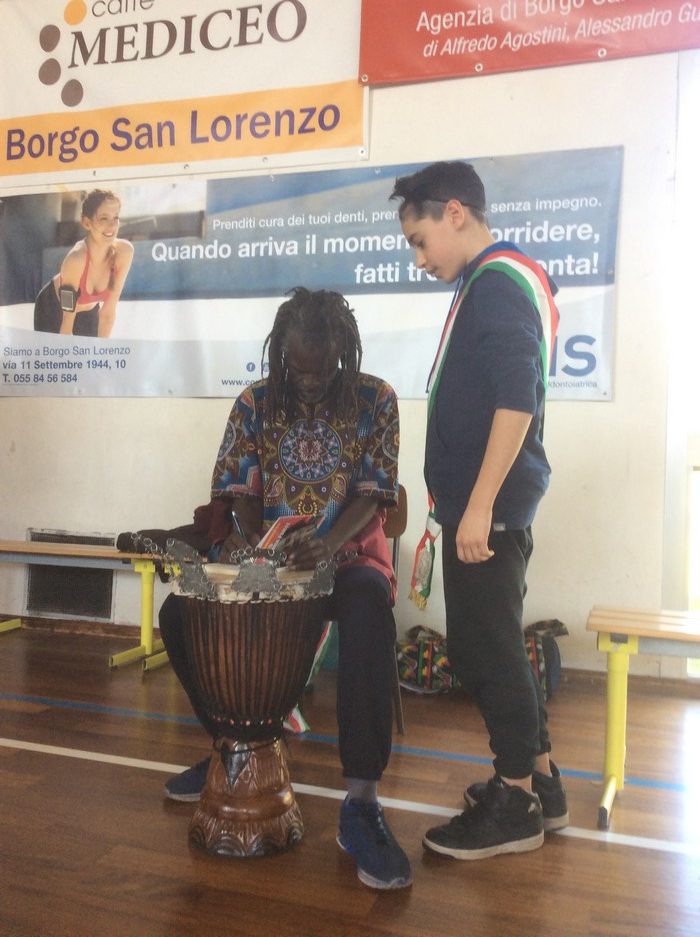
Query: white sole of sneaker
pixel 383 886
pixel 519 845
pixel 555 823
pixel 183 798
pixel 369 880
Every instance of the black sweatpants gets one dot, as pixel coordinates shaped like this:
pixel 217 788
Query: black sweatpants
pixel 486 648
pixel 366 648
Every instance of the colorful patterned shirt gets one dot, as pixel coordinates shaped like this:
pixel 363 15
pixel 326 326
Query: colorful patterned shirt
pixel 317 463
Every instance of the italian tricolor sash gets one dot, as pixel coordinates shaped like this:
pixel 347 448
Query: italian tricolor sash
pixel 532 280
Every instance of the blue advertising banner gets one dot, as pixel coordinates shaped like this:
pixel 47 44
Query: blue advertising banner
pixel 209 262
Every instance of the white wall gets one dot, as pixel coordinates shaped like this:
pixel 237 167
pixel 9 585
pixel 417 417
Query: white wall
pixel 111 465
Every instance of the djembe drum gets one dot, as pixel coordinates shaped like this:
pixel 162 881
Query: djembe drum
pixel 251 639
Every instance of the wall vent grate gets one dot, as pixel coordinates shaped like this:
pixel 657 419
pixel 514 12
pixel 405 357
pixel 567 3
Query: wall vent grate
pixel 69 591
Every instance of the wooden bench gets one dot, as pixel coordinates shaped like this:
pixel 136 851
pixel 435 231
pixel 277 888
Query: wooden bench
pixel 96 557
pixel 621 633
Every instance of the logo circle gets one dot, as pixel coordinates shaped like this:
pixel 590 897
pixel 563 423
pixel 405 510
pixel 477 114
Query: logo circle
pixel 50 72
pixel 72 93
pixel 75 12
pixel 49 38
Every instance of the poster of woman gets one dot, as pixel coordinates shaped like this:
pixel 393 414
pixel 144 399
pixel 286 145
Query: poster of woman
pixel 82 298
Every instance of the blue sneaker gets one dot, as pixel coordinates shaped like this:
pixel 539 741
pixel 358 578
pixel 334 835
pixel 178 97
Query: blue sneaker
pixel 364 834
pixel 188 785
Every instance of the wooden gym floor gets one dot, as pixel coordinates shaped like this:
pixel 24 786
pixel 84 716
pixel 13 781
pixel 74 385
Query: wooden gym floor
pixel 89 846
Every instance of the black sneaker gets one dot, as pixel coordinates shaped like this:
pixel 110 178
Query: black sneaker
pixel 188 785
pixel 364 834
pixel 549 790
pixel 506 819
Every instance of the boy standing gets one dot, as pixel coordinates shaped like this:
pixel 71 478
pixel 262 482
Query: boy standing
pixel 486 470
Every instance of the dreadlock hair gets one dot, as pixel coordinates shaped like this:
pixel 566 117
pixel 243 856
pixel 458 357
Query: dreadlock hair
pixel 320 319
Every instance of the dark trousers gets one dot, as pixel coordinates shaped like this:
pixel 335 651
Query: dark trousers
pixel 366 642
pixel 485 646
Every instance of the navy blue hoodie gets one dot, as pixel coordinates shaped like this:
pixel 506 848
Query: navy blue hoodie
pixel 493 362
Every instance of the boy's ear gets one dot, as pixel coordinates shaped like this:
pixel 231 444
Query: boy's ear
pixel 455 212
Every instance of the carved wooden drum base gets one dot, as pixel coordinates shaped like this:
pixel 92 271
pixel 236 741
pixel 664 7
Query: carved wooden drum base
pixel 247 806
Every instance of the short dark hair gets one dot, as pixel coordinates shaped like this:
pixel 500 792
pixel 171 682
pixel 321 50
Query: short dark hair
pixel 320 319
pixel 425 192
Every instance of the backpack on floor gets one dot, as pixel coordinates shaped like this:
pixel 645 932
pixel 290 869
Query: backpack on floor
pixel 543 652
pixel 422 662
pixel 424 666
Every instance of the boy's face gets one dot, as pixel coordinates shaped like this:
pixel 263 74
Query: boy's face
pixel 440 245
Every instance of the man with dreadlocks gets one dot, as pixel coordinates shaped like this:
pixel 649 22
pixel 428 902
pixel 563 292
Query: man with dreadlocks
pixel 318 437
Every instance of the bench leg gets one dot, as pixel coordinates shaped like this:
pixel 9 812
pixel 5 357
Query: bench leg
pixel 10 624
pixel 156 660
pixel 147 571
pixel 618 655
pixel 606 803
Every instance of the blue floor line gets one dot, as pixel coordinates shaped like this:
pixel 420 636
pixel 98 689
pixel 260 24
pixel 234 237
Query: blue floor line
pixel 98 708
pixel 325 739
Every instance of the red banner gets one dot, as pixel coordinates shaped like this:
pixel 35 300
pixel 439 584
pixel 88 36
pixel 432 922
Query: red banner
pixel 418 40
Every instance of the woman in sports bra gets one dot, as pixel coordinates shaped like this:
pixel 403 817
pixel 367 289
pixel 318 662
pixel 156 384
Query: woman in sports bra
pixel 94 271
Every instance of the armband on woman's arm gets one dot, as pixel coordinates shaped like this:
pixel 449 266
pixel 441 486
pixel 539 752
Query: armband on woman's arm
pixel 68 297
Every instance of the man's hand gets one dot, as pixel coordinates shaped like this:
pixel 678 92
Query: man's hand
pixel 247 523
pixel 233 543
pixel 309 553
pixel 354 517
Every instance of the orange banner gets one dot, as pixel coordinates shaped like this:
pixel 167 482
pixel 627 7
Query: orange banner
pixel 222 128
pixel 489 36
